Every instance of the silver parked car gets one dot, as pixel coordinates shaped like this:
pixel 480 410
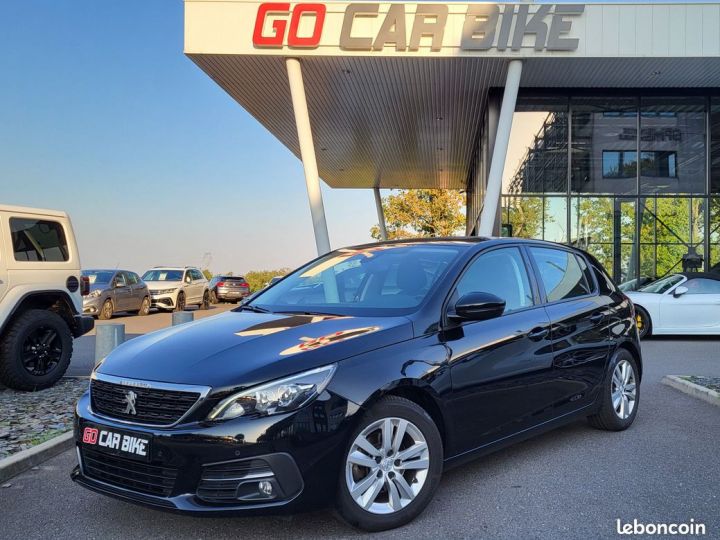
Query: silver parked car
pixel 115 290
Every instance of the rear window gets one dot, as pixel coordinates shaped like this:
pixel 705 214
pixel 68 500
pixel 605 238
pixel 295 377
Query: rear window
pixel 38 240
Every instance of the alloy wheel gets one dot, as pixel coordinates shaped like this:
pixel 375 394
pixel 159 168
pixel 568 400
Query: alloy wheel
pixel 145 307
pixel 107 309
pixel 387 465
pixel 624 389
pixel 41 351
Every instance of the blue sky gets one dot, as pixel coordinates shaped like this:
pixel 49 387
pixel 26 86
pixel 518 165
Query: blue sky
pixel 102 115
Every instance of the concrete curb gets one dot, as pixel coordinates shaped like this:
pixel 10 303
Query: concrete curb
pixel 695 390
pixel 24 460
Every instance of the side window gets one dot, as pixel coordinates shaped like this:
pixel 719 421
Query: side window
pixel 38 240
pixel 132 278
pixel 197 274
pixel 120 279
pixel 500 272
pixel 702 286
pixel 586 272
pixel 560 273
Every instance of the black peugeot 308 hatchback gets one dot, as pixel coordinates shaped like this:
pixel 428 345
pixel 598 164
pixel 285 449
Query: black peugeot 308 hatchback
pixel 359 378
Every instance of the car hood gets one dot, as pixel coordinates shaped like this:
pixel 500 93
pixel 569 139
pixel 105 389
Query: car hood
pixel 238 349
pixel 99 287
pixel 159 285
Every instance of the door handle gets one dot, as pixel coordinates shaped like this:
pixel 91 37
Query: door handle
pixel 597 317
pixel 538 333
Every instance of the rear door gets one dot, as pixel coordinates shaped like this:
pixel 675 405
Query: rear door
pixel 123 292
pixel 500 367
pixel 698 309
pixel 138 290
pixel 580 325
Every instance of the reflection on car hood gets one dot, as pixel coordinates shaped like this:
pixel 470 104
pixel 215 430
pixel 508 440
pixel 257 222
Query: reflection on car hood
pixel 243 348
pixel 159 285
pixel 99 286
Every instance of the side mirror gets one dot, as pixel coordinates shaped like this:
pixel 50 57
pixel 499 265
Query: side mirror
pixel 188 279
pixel 680 291
pixel 118 285
pixel 478 306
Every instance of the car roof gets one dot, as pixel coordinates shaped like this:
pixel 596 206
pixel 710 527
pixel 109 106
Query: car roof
pixel 467 241
pixel 27 210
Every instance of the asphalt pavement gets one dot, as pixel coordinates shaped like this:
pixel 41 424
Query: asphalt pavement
pixel 572 483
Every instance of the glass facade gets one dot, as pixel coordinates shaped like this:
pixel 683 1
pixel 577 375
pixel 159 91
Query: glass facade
pixel 633 179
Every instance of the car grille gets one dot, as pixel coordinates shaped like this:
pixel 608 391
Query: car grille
pixel 219 483
pixel 125 473
pixel 152 406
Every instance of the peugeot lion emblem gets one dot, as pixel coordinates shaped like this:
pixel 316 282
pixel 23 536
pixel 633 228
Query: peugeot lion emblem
pixel 130 398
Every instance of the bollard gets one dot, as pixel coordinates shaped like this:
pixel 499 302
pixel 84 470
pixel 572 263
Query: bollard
pixel 182 317
pixel 107 338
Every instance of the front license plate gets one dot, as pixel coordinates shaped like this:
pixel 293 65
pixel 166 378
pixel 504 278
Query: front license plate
pixel 116 442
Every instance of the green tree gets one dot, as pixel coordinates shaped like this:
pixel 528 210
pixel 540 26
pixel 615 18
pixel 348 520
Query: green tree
pixel 257 279
pixel 422 212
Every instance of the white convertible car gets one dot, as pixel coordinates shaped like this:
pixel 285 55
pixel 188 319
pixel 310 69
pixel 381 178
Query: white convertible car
pixel 684 303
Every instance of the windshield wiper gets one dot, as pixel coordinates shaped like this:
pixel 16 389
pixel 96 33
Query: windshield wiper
pixel 302 312
pixel 254 309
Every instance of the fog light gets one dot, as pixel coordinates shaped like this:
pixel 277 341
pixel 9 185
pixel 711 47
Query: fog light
pixel 265 488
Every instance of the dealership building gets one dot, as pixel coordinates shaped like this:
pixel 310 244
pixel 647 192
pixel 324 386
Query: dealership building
pixel 596 125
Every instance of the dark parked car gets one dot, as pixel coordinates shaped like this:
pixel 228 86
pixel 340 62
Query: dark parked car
pixel 228 289
pixel 359 378
pixel 112 291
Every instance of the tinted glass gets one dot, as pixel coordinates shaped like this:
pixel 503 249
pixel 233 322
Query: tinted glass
pixel 501 272
pixel 120 280
pixel 387 279
pixel 38 240
pixel 132 278
pixel 586 271
pixel 98 276
pixel 196 274
pixel 604 145
pixel 560 273
pixel 163 275
pixel 702 286
pixel 662 285
pixel 672 145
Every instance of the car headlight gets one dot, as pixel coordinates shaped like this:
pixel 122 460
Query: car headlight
pixel 164 291
pixel 275 397
pixel 95 293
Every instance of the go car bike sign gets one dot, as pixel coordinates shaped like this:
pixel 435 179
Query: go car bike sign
pixel 408 27
pixel 115 442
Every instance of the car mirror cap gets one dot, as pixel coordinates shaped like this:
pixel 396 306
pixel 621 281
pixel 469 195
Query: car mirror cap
pixel 679 291
pixel 478 306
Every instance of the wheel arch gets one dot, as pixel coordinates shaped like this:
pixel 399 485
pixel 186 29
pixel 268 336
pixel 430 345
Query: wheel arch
pixel 50 300
pixel 635 352
pixel 419 394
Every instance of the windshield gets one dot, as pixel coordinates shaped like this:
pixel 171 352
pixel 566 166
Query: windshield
pixel 98 276
pixel 163 275
pixel 383 280
pixel 662 285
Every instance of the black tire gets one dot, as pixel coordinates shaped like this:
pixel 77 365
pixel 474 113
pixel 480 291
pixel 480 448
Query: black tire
pixel 213 297
pixel 205 304
pixel 106 310
pixel 180 303
pixel 643 321
pixel 19 337
pixel 393 407
pixel 607 418
pixel 144 308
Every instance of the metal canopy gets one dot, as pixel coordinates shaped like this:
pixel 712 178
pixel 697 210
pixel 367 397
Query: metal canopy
pixel 414 122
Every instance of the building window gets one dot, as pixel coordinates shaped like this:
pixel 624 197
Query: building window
pixel 715 146
pixel 672 145
pixel 660 164
pixel 537 156
pixel 604 145
pixel 619 164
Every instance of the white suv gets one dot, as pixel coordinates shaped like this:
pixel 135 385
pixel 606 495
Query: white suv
pixel 174 288
pixel 41 290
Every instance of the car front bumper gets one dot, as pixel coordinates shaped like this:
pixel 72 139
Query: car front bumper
pixel 163 301
pixel 91 305
pixel 299 453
